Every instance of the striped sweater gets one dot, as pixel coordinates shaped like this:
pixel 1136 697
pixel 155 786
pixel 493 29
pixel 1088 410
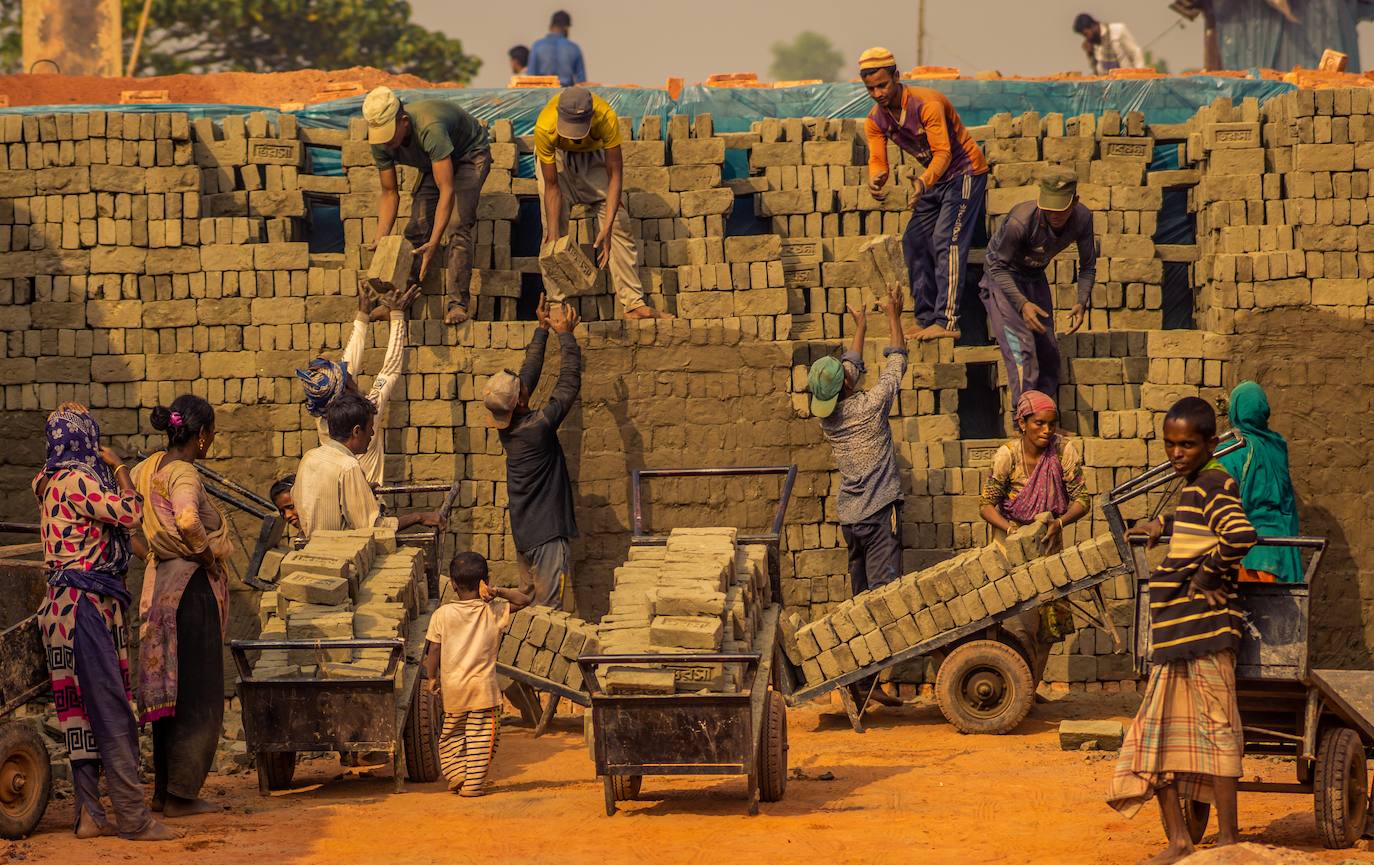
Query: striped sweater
pixel 1211 534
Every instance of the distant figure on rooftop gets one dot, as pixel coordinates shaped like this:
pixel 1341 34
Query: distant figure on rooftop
pixel 1108 46
pixel 519 59
pixel 556 54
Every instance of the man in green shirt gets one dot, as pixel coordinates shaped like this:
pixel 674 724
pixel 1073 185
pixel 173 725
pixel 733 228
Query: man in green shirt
pixel 452 152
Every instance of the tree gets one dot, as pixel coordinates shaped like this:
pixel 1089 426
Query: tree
pixel 280 35
pixel 11 53
pixel 808 56
pixel 1159 64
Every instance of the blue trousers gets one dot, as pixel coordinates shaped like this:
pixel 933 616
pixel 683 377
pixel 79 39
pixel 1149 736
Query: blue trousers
pixel 1032 359
pixel 936 244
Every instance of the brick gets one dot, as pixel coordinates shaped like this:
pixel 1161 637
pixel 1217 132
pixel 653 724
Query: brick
pixel 180 178
pixel 170 313
pixel 272 151
pixel 63 181
pixel 706 304
pixel 278 310
pixel 1324 157
pixel 707 202
pixel 1230 135
pixel 1098 735
pixel 281 256
pixel 689 177
pixel 17 184
pixel 828 152
pixel 277 202
pixel 642 153
pixel 119 178
pixel 775 153
pixel 653 205
pixel 567 268
pixel 313 588
pixel 391 264
pixel 226 256
pixel 184 259
pixel 118 259
pixel 698 151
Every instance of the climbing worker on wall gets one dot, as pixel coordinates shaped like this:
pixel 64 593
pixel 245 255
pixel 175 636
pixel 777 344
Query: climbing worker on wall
pixel 949 194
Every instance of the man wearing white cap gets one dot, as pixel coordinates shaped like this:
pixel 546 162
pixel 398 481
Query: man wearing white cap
pixel 537 485
pixel 577 148
pixel 451 150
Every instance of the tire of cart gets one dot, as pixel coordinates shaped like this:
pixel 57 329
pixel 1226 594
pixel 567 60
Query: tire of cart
pixel 421 735
pixel 984 686
pixel 1340 797
pixel 25 780
pixel 1196 813
pixel 278 768
pixel 626 787
pixel 773 754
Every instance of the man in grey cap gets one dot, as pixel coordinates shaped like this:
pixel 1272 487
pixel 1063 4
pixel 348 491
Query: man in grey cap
pixel 453 154
pixel 577 149
pixel 1014 288
pixel 537 484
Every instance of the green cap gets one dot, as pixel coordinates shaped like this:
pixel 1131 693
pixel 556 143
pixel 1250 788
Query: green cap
pixel 1057 189
pixel 825 381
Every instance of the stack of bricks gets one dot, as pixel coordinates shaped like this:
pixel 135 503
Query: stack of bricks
pixel 341 585
pixel 697 593
pixel 919 607
pixel 546 643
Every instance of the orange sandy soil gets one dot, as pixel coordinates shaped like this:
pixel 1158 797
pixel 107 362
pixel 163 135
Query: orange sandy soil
pixel 911 789
pixel 234 88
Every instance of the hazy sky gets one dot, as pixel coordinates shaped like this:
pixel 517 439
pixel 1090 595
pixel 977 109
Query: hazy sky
pixel 644 42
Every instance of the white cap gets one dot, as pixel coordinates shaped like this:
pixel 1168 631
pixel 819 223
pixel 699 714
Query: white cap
pixel 380 108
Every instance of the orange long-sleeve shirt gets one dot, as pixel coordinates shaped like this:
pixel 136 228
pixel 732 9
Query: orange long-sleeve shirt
pixel 928 127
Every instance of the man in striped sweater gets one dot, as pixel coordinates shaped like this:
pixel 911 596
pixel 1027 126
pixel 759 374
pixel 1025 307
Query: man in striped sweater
pixel 1186 740
pixel 949 194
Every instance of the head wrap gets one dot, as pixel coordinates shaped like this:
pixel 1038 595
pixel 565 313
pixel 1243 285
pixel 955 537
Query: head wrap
pixel 1033 402
pixel 73 442
pixel 876 58
pixel 323 379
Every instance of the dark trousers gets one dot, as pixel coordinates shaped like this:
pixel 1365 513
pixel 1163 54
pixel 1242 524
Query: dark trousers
pixel 875 548
pixel 1032 359
pixel 936 244
pixel 185 742
pixel 469 174
pixel 112 722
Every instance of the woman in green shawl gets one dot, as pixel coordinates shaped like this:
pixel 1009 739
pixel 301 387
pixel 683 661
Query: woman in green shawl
pixel 1266 491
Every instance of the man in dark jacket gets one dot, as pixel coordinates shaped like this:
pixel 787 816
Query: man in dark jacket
pixel 537 484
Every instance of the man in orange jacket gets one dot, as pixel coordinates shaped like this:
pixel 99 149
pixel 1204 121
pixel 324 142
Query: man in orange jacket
pixel 949 193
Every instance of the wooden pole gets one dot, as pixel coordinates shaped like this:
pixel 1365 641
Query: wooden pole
pixel 138 38
pixel 921 34
pixel 1211 42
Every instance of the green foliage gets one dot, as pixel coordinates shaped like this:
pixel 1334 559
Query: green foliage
pixel 808 56
pixel 283 35
pixel 1159 64
pixel 11 54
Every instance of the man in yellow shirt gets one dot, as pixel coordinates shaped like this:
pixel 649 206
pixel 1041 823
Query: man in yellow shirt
pixel 577 148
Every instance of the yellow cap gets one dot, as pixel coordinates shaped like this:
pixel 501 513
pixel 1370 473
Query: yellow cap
pixel 876 58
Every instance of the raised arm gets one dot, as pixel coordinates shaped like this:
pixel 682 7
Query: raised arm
pixel 393 363
pixel 570 368
pixel 890 380
pixel 533 366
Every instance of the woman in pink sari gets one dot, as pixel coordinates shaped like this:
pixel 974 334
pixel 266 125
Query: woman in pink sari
pixel 1038 471
pixel 185 607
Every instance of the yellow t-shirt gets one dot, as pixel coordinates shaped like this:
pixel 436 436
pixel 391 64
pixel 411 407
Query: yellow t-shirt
pixel 605 131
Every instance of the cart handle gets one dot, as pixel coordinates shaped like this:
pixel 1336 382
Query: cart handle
pixel 790 471
pixel 1300 542
pixel 1159 475
pixel 241 648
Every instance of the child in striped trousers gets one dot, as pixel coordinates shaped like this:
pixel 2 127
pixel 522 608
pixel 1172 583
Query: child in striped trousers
pixel 460 662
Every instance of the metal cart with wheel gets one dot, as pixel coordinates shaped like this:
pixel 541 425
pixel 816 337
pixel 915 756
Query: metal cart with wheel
pixel 1323 718
pixel 983 683
pixel 25 767
pixel 705 733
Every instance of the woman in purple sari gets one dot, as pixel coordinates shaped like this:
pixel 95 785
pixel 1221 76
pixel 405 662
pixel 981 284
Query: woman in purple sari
pixel 87 507
pixel 1036 472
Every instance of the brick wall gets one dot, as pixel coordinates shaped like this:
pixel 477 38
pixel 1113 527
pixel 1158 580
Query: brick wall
pixel 143 255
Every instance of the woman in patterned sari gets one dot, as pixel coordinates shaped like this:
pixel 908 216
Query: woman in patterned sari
pixel 1038 471
pixel 87 505
pixel 185 607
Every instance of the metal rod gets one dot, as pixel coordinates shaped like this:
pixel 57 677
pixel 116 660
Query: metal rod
pixel 717 658
pixel 238 488
pixel 20 528
pixel 425 487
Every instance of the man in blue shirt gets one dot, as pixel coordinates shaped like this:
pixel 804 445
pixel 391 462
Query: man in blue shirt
pixel 555 54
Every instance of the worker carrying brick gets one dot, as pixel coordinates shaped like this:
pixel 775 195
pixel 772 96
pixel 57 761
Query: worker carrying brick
pixel 1017 294
pixel 324 379
pixel 577 147
pixel 855 423
pixel 331 491
pixel 453 154
pixel 537 485
pixel 949 194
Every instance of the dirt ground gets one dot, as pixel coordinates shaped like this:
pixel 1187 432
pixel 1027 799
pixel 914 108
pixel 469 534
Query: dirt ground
pixel 910 785
pixel 232 88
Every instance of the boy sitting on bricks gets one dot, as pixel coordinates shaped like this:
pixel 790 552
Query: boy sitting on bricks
pixel 460 661
pixel 1186 740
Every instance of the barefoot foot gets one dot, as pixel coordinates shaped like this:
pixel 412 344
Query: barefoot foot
pixel 456 315
pixel 179 807
pixel 87 827
pixel 641 312
pixel 156 831
pixel 1169 855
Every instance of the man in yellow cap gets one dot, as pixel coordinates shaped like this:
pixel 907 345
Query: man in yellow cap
pixel 451 150
pixel 1014 288
pixel 577 149
pixel 949 194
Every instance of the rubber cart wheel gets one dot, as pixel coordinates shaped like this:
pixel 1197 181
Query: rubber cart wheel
pixel 626 787
pixel 1338 788
pixel 1196 813
pixel 984 687
pixel 278 767
pixel 773 754
pixel 423 723
pixel 25 780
